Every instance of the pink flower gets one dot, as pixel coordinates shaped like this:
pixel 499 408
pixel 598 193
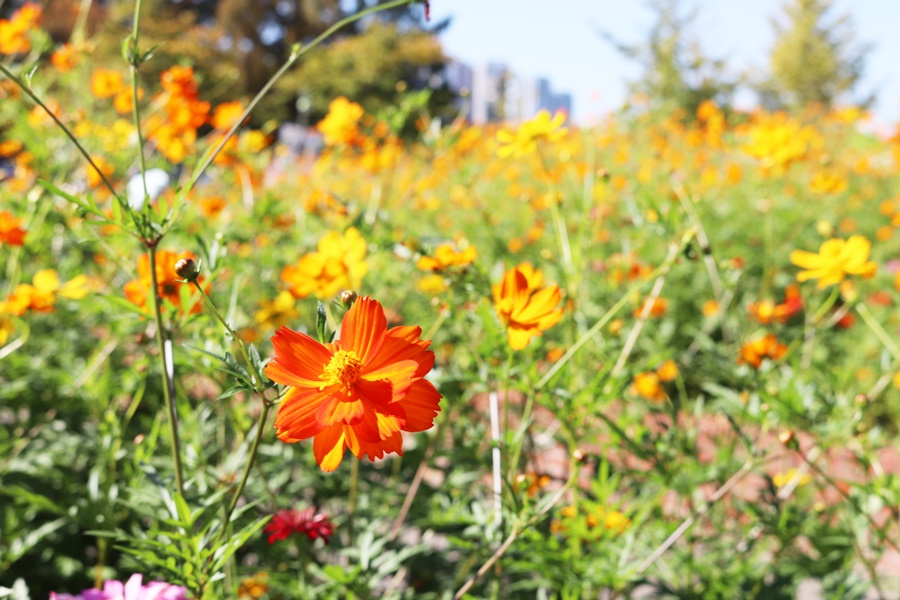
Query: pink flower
pixel 285 522
pixel 132 589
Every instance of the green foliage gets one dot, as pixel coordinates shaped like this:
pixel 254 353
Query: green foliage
pixel 814 60
pixel 372 68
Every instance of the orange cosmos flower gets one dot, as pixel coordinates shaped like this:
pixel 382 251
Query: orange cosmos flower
pixel 64 58
pixel 10 232
pixel 523 308
pixel 648 385
pixel 227 114
pixel 753 353
pixel 106 83
pixel 359 392
pixel 836 259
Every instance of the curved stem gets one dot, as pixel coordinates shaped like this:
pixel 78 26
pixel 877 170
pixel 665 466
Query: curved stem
pixel 878 330
pixel 134 61
pixel 251 459
pixel 615 308
pixel 296 54
pixel 167 382
pixel 256 376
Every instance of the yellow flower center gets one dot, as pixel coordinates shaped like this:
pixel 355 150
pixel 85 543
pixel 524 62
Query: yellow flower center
pixel 343 368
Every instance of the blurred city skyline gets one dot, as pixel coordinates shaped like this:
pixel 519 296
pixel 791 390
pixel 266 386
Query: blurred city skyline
pixel 562 42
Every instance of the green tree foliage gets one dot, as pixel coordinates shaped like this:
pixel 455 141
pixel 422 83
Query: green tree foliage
pixel 677 73
pixel 365 68
pixel 236 45
pixel 814 59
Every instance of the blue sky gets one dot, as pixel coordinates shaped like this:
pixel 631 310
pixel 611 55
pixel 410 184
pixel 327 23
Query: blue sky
pixel 558 39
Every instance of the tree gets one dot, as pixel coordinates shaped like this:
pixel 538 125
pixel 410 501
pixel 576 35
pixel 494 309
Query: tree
pixel 677 73
pixel 813 60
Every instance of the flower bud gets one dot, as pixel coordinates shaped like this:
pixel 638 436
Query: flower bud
pixel 348 297
pixel 187 269
pixel 788 439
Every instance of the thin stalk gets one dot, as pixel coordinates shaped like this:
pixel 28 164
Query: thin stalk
pixel 255 376
pixel 497 480
pixel 251 459
pixel 520 527
pixel 686 524
pixel 296 54
pixel 414 485
pixel 134 61
pixel 635 332
pixel 167 383
pixel 878 330
pixel 351 497
pixel 559 223
pixel 139 228
pixel 614 309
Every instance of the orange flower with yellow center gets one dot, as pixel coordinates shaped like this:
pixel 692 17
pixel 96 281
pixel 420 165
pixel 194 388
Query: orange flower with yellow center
pixel 836 259
pixel 525 310
pixel 359 392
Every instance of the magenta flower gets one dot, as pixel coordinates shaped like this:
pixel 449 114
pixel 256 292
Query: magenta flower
pixel 132 589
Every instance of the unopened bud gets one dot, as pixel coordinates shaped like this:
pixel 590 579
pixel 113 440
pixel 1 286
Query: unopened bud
pixel 861 400
pixel 187 269
pixel 348 297
pixel 788 439
pixel 579 455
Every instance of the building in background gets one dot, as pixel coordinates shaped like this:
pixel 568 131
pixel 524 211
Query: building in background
pixel 491 92
pixel 497 94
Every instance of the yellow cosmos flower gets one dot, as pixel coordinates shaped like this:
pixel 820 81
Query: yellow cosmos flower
pixel 446 256
pixel 40 295
pixel 782 479
pixel 277 312
pixel 338 264
pixel 836 259
pixel 525 310
pixel 340 125
pixel 524 141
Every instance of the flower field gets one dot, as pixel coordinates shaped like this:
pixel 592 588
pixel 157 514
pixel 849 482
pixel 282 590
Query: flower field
pixel 653 357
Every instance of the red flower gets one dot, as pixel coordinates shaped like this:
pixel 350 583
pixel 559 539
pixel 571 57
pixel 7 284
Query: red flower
pixel 288 521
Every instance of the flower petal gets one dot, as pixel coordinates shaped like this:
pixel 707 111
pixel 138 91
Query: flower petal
pixel 363 329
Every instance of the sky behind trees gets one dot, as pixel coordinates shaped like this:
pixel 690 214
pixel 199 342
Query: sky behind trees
pixel 560 40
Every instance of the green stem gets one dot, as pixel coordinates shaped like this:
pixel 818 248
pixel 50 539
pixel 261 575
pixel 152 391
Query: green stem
pixel 71 136
pixel 559 223
pixel 826 306
pixel 167 384
pixel 615 308
pixel 296 54
pixel 251 459
pixel 255 376
pixel 134 62
pixel 351 497
pixel 878 330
